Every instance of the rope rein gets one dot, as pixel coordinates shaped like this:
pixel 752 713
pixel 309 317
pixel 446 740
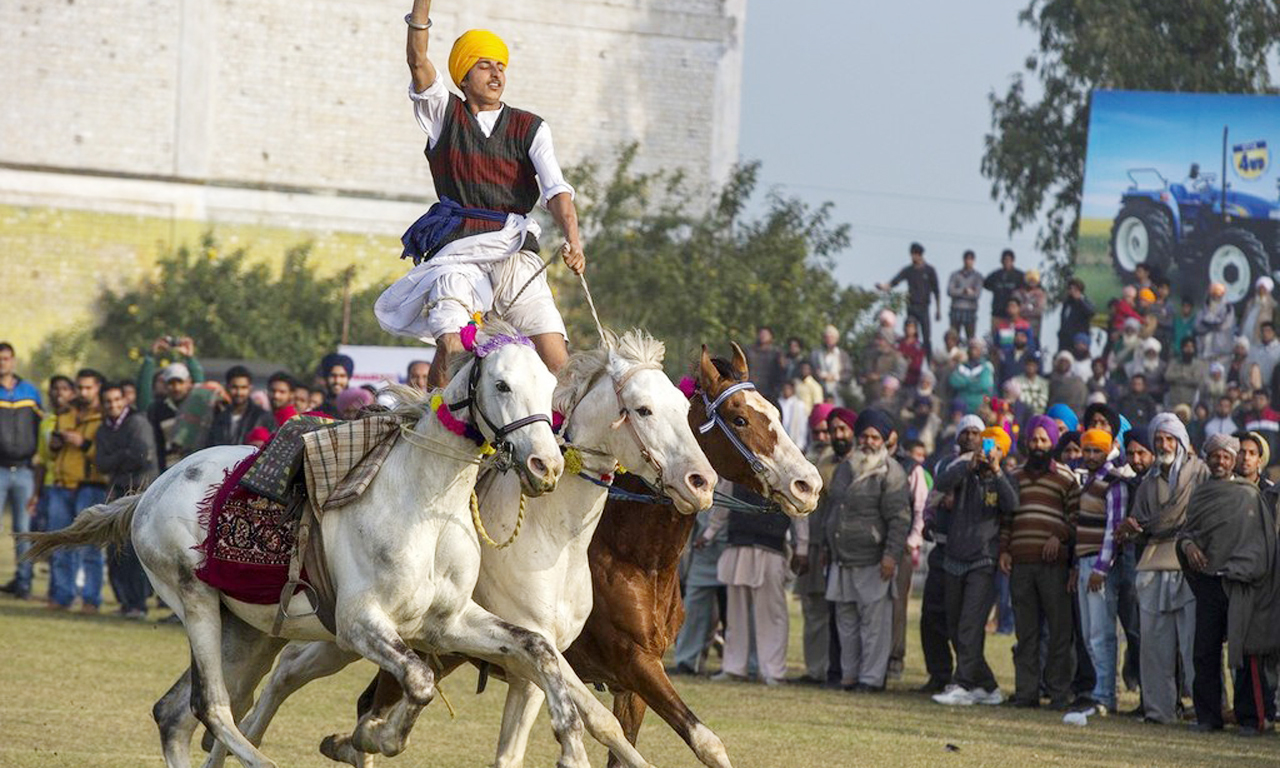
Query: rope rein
pixel 484 534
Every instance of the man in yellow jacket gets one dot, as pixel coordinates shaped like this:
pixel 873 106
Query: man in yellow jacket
pixel 77 485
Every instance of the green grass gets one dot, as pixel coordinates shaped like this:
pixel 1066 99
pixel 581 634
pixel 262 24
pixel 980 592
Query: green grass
pixel 77 692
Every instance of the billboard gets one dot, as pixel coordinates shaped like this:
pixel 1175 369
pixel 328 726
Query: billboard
pixel 1184 183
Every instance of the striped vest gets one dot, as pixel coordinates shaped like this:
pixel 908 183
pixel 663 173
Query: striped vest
pixel 1091 525
pixel 493 172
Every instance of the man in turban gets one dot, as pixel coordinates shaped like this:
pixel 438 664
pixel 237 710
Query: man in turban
pixel 867 517
pixel 1228 550
pixel 1165 601
pixel 336 370
pixel 491 164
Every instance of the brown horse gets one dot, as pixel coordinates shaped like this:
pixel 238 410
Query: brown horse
pixel 634 557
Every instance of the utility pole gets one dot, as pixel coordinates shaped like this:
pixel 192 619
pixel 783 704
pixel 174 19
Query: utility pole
pixel 346 303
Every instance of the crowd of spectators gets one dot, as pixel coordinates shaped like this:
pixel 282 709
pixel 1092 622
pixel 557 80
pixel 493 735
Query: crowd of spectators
pixel 1113 510
pixel 86 440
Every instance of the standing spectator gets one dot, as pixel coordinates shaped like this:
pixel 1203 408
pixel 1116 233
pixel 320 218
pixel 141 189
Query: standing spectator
pixel 1166 603
pixel 794 414
pixel 149 377
pixel 765 363
pixel 1228 550
pixel 1005 330
pixel 280 394
pixel 1183 375
pixel 1033 386
pixel 1263 419
pixel 1214 385
pixel 973 379
pixel 809 532
pixel 922 285
pixel 126 454
pixel 1162 311
pixel 753 569
pixel 1262 309
pixel 791 359
pixel 979 496
pixel 20 417
pixel 702 592
pixel 807 387
pixel 1148 363
pixel 1076 314
pixel 336 369
pixel 923 424
pixel 918 484
pixel 234 422
pixel 416 375
pixel 352 402
pixel 1253 458
pixel 1222 422
pixel 77 486
pixel 1002 283
pixel 61 394
pixel 1264 353
pixel 913 352
pixel 1035 544
pixel 1065 386
pixel 964 287
pixel 1124 308
pixel 1034 302
pixel 882 361
pixel 1237 373
pixel 832 365
pixel 163 415
pixel 1104 502
pixel 1138 405
pixel 1215 324
pixel 867 519
pixel 301 397
pixel 1184 322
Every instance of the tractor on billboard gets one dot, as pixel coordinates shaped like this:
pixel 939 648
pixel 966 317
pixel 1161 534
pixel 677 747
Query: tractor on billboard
pixel 1204 230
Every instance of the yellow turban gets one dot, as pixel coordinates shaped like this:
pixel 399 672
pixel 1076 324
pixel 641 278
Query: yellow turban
pixel 473 46
pixel 1096 438
pixel 1001 438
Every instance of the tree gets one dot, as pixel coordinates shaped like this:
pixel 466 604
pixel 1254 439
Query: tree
pixel 661 259
pixel 1035 152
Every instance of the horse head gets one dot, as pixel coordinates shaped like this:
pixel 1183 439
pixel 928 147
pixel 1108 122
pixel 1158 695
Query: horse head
pixel 632 412
pixel 506 391
pixel 742 434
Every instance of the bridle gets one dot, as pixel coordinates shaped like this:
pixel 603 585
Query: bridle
pixel 624 415
pixel 714 419
pixel 505 450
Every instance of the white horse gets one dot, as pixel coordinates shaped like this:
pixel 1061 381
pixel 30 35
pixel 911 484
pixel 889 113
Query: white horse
pixel 403 558
pixel 542 581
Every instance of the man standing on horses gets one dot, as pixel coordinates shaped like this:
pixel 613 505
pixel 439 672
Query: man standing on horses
pixel 491 163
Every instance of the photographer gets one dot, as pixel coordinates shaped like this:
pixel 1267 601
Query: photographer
pixel 183 350
pixel 981 495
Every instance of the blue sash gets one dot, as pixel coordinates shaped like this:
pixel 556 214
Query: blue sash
pixel 437 224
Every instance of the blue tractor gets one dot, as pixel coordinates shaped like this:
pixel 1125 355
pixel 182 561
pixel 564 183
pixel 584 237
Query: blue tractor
pixel 1208 233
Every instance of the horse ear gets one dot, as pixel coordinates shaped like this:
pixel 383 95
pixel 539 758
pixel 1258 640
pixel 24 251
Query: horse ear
pixel 708 376
pixel 740 362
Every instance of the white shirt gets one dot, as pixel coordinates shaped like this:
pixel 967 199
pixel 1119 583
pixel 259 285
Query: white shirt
pixel 431 106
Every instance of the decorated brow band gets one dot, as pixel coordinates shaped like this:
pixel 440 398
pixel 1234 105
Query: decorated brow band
pixel 468 336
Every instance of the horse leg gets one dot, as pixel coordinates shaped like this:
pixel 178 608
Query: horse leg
pixel 629 709
pixel 646 678
pixel 247 655
pixel 522 653
pixel 524 699
pixel 372 635
pixel 210 699
pixel 600 722
pixel 176 722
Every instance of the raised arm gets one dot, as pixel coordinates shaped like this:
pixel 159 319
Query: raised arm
pixel 421 69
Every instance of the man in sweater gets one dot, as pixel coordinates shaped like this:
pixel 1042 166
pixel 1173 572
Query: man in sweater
pixel 977 495
pixel 964 287
pixel 1104 501
pixel 126 454
pixel 867 516
pixel 1035 545
pixel 1166 603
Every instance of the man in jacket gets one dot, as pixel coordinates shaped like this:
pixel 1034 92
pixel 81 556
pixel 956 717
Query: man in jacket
pixel 77 485
pixel 238 418
pixel 126 453
pixel 867 516
pixel 20 416
pixel 1003 283
pixel 964 287
pixel 977 494
pixel 1077 313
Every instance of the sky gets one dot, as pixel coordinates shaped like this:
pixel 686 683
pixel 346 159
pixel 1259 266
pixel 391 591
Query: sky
pixel 881 108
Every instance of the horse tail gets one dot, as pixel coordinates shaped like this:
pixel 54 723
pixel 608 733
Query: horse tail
pixel 99 525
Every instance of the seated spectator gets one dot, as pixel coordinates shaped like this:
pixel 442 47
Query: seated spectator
pixel 1011 359
pixel 1199 420
pixel 1100 378
pixel 882 360
pixel 1005 329
pixel 1065 386
pixel 1081 356
pixel 1215 324
pixel 1137 404
pixel 1033 386
pixel 240 416
pixel 1236 371
pixel 1261 309
pixel 890 387
pixel 1214 385
pixel 1125 348
pixel 1123 309
pixel 912 350
pixel 1183 375
pixel 923 425
pixel 1148 363
pixel 1222 422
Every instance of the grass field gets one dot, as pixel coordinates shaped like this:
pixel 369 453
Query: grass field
pixel 77 692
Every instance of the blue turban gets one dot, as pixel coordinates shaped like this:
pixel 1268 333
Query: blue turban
pixel 1062 412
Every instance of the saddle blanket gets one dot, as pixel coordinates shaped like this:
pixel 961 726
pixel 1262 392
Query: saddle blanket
pixel 249 541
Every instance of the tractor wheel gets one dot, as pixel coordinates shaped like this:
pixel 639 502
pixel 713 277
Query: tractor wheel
pixel 1141 234
pixel 1236 258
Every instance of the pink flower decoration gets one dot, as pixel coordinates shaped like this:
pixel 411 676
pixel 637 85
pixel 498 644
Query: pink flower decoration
pixel 688 386
pixel 468 334
pixel 448 421
pixel 557 421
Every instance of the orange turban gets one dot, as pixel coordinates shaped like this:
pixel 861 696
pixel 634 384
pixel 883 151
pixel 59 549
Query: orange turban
pixel 474 45
pixel 1096 438
pixel 1147 295
pixel 1002 439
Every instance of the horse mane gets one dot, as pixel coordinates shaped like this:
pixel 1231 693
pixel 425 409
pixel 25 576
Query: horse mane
pixel 726 370
pixel 635 347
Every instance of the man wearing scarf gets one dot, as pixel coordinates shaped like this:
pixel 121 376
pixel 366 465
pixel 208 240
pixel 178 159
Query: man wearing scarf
pixel 867 517
pixel 980 495
pixel 1251 462
pixel 1035 545
pixel 1227 547
pixel 491 164
pixel 1165 601
pixel 811 578
pixel 1104 502
pixel 935 642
